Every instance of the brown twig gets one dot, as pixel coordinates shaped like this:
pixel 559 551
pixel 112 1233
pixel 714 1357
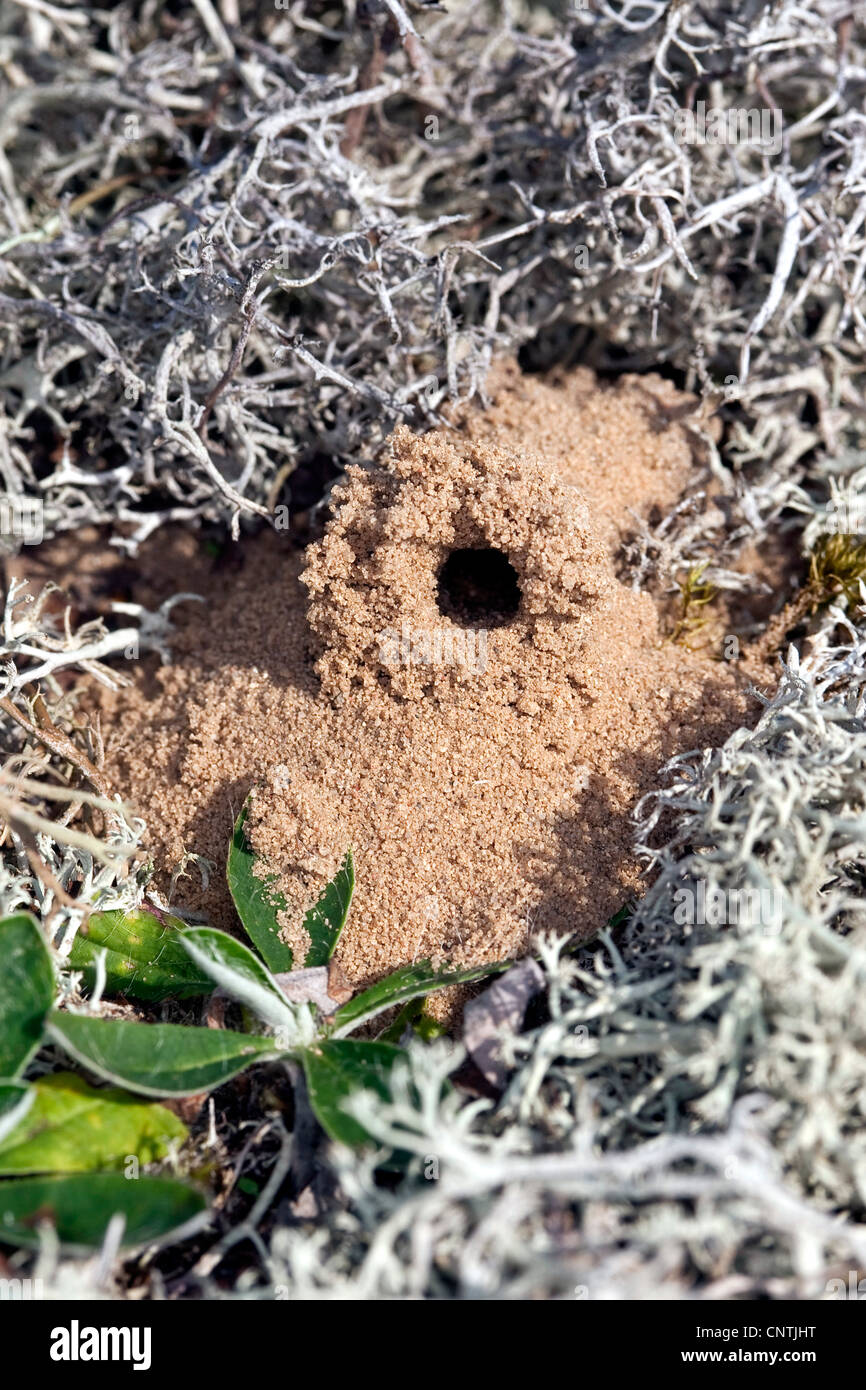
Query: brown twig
pixel 234 363
pixel 357 118
pixel 56 741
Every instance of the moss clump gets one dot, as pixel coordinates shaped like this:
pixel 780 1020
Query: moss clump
pixel 837 566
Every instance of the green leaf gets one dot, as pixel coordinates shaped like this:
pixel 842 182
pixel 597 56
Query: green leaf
pixel 157 1059
pixel 144 957
pixel 411 982
pixel 324 922
pixel 255 901
pixel 412 1016
pixel 407 1017
pixel 26 991
pixel 72 1128
pixel 81 1205
pixel 241 974
pixel 621 916
pixel 335 1070
pixel 16 1098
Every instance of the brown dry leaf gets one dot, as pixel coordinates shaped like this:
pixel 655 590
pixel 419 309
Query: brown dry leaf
pixel 496 1013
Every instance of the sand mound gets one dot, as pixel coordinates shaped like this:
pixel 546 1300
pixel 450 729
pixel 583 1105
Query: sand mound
pixel 393 609
pixel 454 682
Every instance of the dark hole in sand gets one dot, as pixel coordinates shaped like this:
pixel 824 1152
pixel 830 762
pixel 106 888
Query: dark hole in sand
pixel 478 588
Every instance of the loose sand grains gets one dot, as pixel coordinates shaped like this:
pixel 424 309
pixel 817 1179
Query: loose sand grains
pixel 481 746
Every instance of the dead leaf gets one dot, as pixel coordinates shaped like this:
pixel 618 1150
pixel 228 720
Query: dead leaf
pixel 498 1013
pixel 311 986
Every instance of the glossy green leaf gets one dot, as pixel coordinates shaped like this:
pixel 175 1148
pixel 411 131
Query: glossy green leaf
pixel 240 974
pixel 16 1098
pixel 338 1068
pixel 26 991
pixel 72 1128
pixel 324 922
pixel 410 982
pixel 79 1206
pixel 144 956
pixel 156 1059
pixel 256 902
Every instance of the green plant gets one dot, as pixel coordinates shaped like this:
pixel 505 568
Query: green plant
pixel 67 1136
pixel 62 1141
pixel 695 593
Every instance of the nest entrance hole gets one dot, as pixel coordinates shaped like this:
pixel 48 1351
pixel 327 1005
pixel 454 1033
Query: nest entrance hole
pixel 478 587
